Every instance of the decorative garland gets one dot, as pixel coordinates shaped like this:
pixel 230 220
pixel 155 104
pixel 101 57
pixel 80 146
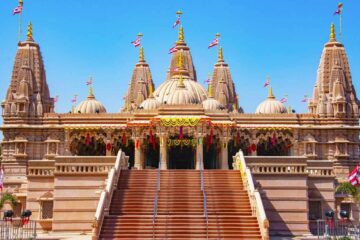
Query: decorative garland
pixel 178 142
pixel 178 122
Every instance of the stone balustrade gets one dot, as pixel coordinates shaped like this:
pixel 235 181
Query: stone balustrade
pixel 41 168
pixel 84 165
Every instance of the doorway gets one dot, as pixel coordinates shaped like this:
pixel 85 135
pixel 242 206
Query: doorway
pixel 181 157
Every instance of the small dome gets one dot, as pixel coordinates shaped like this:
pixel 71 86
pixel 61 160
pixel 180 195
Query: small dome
pixel 150 103
pixel 90 105
pixel 212 104
pixel 181 95
pixel 271 105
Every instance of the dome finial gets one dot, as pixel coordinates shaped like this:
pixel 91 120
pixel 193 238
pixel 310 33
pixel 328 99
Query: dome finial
pixel 181 34
pixel 29 34
pixel 210 90
pixel 220 54
pixel 141 54
pixel 332 33
pixel 151 90
pixel 91 91
pixel 270 95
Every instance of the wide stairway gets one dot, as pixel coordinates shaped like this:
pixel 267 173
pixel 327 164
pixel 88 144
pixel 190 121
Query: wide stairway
pixel 180 208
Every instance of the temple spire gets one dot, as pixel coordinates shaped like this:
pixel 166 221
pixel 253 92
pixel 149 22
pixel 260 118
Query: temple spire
pixel 91 91
pixel 332 33
pixel 210 90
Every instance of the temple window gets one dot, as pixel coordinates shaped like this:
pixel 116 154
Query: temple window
pixel 315 210
pixel 46 209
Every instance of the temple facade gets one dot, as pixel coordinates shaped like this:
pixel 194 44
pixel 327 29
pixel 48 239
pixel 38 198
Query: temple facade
pixel 296 158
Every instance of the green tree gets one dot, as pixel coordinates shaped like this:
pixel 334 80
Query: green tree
pixel 7 197
pixel 348 188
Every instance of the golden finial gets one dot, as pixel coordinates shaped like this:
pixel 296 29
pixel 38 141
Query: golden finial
pixel 139 34
pixel 210 90
pixel 29 32
pixel 332 32
pixel 179 12
pixel 270 95
pixel 141 55
pixel 91 92
pixel 181 34
pixel 218 35
pixel 180 63
pixel 21 3
pixel 151 90
pixel 220 54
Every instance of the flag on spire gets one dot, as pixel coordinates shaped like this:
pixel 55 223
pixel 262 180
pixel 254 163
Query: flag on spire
pixel 305 99
pixel 177 22
pixel 89 82
pixel 17 10
pixel 74 99
pixel 339 9
pixel 353 177
pixel 136 42
pixel 267 82
pixel 214 42
pixel 284 99
pixel 56 99
pixel 173 49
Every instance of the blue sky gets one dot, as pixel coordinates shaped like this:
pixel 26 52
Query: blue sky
pixel 282 39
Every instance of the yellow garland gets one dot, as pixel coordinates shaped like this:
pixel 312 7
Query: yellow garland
pixel 177 122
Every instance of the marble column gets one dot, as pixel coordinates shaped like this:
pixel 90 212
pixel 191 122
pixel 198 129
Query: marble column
pixel 224 154
pixel 199 162
pixel 163 152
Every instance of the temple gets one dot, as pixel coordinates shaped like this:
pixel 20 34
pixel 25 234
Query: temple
pixel 58 165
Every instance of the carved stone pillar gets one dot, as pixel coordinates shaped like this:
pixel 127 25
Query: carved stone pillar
pixel 224 154
pixel 199 162
pixel 67 143
pixel 163 152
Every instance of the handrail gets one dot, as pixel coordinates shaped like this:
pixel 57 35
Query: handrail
pixel 106 195
pixel 257 206
pixel 204 196
pixel 155 208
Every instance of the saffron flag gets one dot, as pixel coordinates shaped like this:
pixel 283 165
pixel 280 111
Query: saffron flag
pixel 177 22
pixel 2 176
pixel 17 10
pixel 214 43
pixel 353 177
pixel 173 49
pixel 339 9
pixel 136 42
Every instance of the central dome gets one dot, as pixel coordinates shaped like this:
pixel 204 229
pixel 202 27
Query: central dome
pixel 193 90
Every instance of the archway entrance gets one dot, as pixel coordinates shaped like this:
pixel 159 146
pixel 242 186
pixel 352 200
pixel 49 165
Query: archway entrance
pixel 181 157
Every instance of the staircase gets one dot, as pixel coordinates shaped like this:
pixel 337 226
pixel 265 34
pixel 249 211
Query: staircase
pixel 180 207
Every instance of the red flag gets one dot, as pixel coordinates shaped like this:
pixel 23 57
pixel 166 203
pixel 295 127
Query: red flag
pixel 339 9
pixel 136 42
pixel 305 99
pixel 17 10
pixel 56 99
pixel 214 43
pixel 207 81
pixel 177 22
pixel 123 139
pixel 173 49
pixel 181 136
pixel 283 100
pixel 353 177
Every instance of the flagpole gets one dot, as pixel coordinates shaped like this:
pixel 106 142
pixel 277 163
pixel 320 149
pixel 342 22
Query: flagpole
pixel 20 20
pixel 340 19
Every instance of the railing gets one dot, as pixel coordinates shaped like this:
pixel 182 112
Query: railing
pixel 204 196
pixel 106 195
pixel 155 208
pixel 16 229
pixel 255 198
pixel 337 228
